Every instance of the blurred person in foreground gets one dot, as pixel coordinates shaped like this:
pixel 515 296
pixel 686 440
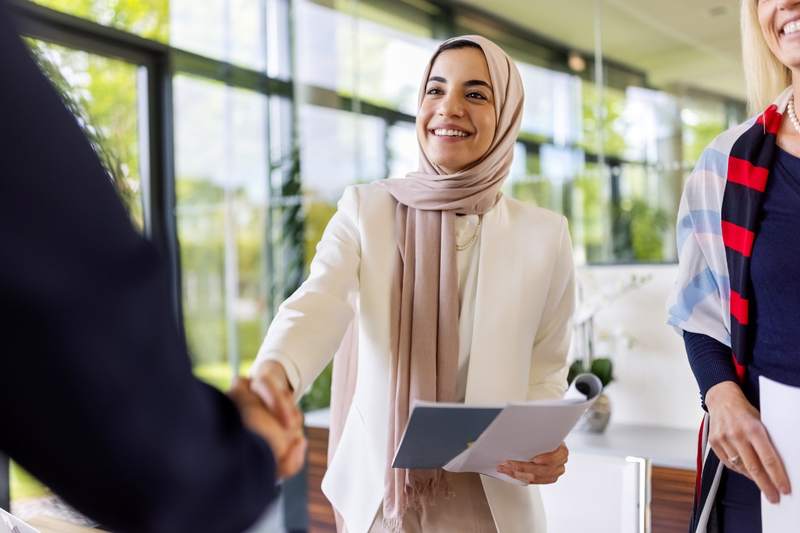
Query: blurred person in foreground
pixel 437 287
pixel 738 290
pixel 97 396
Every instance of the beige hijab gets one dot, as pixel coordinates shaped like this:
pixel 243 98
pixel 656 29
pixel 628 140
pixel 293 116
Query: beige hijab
pixel 424 328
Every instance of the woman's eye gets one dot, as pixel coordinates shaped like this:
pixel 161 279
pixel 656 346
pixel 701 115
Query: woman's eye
pixel 434 90
pixel 479 96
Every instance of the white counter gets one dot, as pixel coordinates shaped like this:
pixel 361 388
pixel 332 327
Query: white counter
pixel 665 447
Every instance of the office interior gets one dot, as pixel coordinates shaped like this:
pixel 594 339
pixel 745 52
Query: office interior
pixel 231 127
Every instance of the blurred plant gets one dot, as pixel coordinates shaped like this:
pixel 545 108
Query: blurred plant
pixel 602 367
pixel 319 395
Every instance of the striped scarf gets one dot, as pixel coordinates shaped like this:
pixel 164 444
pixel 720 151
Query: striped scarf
pixel 717 226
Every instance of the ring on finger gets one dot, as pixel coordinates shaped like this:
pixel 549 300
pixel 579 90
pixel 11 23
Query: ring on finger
pixel 735 460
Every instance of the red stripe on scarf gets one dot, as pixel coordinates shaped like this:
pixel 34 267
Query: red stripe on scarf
pixel 738 238
pixel 739 307
pixel 744 173
pixel 771 119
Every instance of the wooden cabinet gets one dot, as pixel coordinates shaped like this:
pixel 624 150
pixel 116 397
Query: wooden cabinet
pixel 320 513
pixel 671 501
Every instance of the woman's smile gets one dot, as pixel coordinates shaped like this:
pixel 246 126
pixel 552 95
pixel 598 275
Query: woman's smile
pixel 456 121
pixel 449 133
pixel 780 26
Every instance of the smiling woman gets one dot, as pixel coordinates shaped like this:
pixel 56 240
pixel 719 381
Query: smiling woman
pixel 394 285
pixel 738 219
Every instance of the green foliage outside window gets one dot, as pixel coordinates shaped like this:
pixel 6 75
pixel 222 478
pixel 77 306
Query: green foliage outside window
pixel 102 96
pixel 609 117
pixel 147 18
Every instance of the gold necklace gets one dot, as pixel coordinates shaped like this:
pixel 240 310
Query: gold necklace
pixel 471 241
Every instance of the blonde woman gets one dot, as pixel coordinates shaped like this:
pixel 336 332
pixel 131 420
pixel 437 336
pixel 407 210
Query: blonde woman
pixel 737 293
pixel 453 293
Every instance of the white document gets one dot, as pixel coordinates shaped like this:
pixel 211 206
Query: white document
pixel 11 524
pixel 780 416
pixel 524 430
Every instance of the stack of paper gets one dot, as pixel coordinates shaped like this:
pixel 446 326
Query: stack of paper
pixel 780 416
pixel 464 438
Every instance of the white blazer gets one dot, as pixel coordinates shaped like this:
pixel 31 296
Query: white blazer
pixel 523 306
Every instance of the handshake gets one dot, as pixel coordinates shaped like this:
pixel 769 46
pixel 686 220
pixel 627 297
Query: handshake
pixel 268 409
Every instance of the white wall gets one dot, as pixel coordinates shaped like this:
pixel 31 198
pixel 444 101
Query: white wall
pixel 654 384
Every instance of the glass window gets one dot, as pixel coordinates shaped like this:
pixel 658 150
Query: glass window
pixel 389 64
pixel 323 40
pixel 606 120
pixel 702 120
pixel 403 149
pixel 222 176
pixel 104 95
pixel 590 215
pixel 552 104
pixel 360 57
pixel 147 18
pixel 338 148
pixel 249 33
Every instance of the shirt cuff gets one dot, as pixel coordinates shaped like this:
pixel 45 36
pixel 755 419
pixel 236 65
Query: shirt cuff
pixel 710 361
pixel 289 366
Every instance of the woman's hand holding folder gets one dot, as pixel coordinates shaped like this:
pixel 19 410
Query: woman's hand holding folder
pixel 543 469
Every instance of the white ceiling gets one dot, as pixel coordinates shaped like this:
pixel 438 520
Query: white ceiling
pixel 676 42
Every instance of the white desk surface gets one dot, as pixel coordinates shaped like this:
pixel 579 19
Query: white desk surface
pixel 664 446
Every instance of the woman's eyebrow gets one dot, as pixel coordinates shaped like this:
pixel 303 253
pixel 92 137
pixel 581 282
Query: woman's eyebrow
pixel 467 83
pixel 482 83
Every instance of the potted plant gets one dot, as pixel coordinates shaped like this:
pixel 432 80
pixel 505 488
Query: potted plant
pixel 596 418
pixel 598 415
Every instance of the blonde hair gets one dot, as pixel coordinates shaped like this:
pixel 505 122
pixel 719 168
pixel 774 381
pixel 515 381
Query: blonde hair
pixel 765 76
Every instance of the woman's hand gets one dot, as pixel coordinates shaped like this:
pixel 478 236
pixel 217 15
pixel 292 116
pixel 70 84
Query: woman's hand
pixel 741 442
pixel 271 384
pixel 543 469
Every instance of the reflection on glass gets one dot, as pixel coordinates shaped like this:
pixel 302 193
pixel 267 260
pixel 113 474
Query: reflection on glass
pixel 221 167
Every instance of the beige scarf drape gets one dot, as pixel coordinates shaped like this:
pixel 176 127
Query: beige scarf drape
pixel 425 314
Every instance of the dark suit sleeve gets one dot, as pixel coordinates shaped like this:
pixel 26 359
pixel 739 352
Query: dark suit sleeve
pixel 97 398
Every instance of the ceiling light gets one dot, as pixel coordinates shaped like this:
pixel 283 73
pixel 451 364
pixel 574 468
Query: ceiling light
pixel 576 62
